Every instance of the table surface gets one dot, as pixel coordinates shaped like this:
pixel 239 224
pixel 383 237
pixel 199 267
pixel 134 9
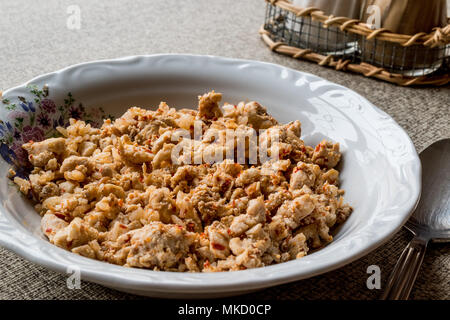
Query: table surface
pixel 35 40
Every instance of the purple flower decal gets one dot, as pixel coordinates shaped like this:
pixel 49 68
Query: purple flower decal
pixel 95 124
pixel 24 107
pixel 7 153
pixel 32 108
pixel 9 126
pixel 48 105
pixel 17 114
pixel 43 120
pixel 75 112
pixel 28 106
pixel 36 119
pixel 19 152
pixel 17 135
pixel 58 123
pixel 30 133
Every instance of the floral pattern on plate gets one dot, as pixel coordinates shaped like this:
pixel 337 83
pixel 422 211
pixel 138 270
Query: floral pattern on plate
pixel 38 119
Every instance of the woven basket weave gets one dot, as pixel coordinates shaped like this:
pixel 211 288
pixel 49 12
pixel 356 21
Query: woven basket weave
pixel 350 45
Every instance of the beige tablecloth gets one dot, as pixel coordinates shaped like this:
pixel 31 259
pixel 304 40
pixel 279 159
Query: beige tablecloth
pixel 35 40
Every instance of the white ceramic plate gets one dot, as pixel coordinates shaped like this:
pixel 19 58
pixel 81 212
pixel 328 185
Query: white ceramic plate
pixel 380 168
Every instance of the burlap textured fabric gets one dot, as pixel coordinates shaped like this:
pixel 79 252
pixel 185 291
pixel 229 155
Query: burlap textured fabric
pixel 35 40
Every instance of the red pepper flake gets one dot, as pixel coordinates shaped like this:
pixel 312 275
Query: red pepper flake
pixel 120 202
pixel 217 246
pixel 190 226
pixel 229 231
pixel 60 215
pixel 227 183
pixel 48 230
pixel 31 141
pixel 123 226
pixel 206 264
pixel 141 179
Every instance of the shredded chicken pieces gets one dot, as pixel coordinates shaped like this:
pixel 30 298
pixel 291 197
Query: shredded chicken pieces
pixel 118 193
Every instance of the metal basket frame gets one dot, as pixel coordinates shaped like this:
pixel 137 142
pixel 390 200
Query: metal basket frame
pixel 351 45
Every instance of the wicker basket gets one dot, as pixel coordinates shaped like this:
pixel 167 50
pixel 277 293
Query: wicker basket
pixel 350 45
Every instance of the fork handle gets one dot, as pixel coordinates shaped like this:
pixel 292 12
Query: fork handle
pixel 405 272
